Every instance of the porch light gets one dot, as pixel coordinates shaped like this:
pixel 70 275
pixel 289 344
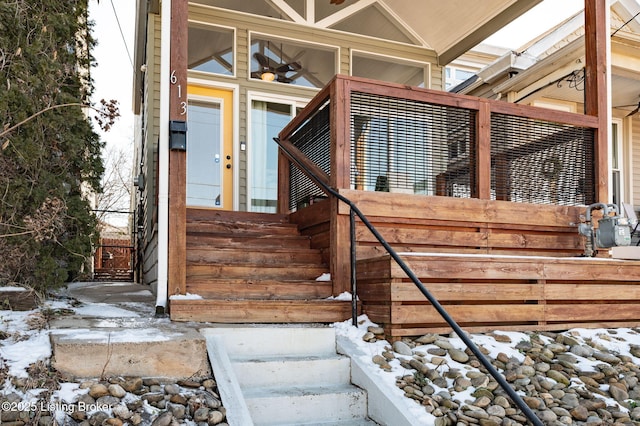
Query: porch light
pixel 267 76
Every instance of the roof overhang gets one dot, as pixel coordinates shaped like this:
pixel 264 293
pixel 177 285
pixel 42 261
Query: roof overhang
pixel 459 26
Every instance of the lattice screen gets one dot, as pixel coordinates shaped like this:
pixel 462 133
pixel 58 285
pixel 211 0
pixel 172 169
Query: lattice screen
pixel 541 162
pixel 313 138
pixel 401 145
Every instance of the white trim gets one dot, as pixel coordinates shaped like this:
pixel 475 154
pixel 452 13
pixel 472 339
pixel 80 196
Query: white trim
pixel 310 11
pixel 627 140
pixel 555 104
pixel 285 9
pixel 396 59
pixel 235 47
pixel 282 24
pixel 618 122
pixel 344 13
pixel 402 26
pixel 235 89
pixel 163 158
pixel 211 100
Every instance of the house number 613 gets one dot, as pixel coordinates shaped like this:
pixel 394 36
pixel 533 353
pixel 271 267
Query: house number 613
pixel 173 79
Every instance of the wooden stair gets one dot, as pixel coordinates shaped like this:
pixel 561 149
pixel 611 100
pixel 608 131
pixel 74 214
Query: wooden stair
pixel 113 274
pixel 253 268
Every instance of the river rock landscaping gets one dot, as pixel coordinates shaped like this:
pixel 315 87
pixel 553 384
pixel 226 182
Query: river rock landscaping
pixel 116 402
pixel 577 377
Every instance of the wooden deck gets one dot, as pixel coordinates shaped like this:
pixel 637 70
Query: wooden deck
pixel 492 265
pixel 494 260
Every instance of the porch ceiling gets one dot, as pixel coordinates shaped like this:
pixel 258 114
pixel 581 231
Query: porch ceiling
pixel 454 26
pixel 449 27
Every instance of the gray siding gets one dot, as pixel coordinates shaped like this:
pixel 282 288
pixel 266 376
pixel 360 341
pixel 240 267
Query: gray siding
pixel 147 154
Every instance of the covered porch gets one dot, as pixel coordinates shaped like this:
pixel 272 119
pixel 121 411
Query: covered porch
pixel 482 199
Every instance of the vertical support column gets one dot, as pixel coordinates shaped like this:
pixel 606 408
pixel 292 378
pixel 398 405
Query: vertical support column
pixel 177 158
pixel 340 265
pixel 597 87
pixel 483 152
pixel 284 187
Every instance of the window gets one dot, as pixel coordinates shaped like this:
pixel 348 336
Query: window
pixel 211 49
pixel 616 164
pixel 455 76
pixel 291 62
pixel 389 69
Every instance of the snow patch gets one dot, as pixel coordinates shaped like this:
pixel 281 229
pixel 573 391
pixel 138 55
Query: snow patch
pixel 324 277
pixel 11 288
pixel 187 296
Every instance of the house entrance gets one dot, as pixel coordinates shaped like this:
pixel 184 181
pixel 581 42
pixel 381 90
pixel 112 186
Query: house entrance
pixel 210 159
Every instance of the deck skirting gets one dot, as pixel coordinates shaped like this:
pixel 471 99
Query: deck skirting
pixel 485 292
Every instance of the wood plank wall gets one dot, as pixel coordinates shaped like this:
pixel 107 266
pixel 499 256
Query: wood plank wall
pixel 484 293
pixel 418 223
pixel 492 264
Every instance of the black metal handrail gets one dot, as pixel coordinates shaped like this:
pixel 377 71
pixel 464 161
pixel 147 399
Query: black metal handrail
pixel 354 210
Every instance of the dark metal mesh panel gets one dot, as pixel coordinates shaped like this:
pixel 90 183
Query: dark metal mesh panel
pixel 313 138
pixel 401 145
pixel 541 162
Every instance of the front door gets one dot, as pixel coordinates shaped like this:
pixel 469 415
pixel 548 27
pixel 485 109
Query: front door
pixel 210 148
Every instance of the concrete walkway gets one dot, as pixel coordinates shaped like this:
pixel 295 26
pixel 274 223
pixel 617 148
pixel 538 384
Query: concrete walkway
pixel 114 332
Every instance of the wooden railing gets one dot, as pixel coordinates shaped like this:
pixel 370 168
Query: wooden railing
pixel 329 228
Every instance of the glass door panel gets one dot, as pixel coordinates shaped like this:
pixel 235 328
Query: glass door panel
pixel 267 120
pixel 209 148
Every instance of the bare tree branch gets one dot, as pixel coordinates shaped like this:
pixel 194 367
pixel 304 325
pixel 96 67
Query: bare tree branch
pixel 107 114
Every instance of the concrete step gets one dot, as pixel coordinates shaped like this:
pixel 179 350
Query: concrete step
pixel 287 375
pixel 148 351
pixel 287 341
pixel 351 422
pixel 300 405
pixel 290 371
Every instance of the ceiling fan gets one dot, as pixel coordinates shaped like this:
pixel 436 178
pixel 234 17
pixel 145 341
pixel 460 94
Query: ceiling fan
pixel 271 70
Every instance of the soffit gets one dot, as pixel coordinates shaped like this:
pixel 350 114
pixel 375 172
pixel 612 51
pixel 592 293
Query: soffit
pixel 449 27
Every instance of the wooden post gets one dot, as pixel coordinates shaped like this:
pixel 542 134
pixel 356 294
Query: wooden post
pixel 177 275
pixel 596 93
pixel 284 186
pixel 482 187
pixel 340 178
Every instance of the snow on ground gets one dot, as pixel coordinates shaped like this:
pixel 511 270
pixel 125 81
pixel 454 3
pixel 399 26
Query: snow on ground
pixel 617 341
pixel 25 345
